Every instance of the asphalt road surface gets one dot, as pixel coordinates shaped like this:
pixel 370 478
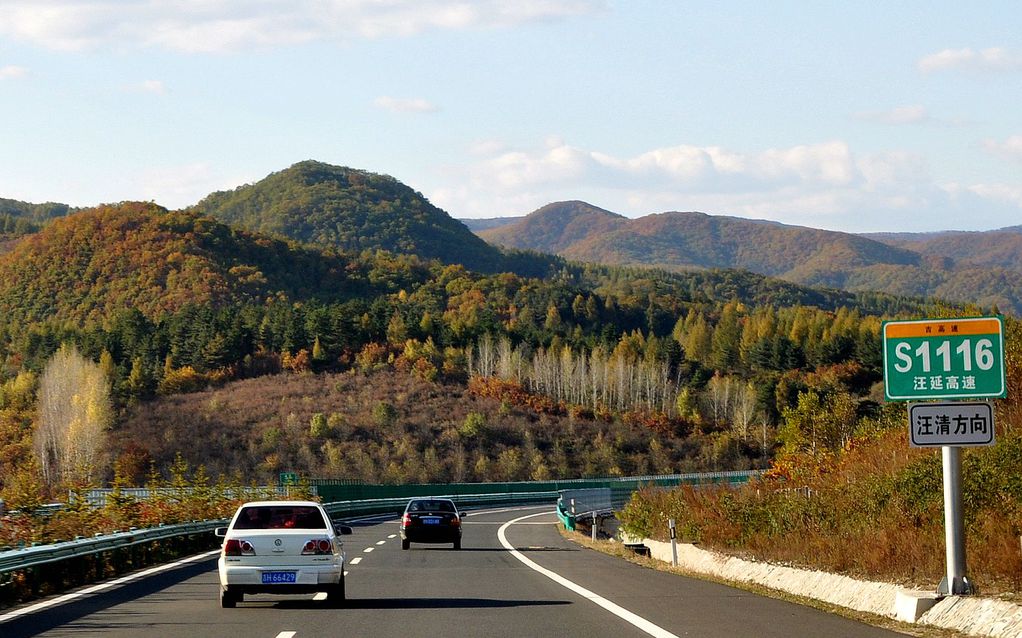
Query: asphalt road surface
pixel 514 576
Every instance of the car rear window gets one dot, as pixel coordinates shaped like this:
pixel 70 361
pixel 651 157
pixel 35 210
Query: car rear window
pixel 280 517
pixel 431 506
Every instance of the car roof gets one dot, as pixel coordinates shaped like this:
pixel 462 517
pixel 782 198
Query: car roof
pixel 282 503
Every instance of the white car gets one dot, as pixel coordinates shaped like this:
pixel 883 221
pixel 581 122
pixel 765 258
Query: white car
pixel 281 547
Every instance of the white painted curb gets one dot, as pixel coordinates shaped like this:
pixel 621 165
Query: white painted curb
pixel 968 614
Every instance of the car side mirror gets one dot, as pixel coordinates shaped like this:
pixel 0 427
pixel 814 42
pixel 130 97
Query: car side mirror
pixel 220 532
pixel 342 530
pixel 462 514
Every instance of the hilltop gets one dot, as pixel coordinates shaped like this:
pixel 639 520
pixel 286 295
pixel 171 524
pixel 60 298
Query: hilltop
pixel 350 210
pixel 984 268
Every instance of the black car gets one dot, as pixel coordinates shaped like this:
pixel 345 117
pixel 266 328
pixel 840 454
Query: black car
pixel 431 520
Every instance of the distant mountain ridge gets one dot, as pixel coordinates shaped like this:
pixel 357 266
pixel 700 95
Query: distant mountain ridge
pixel 983 268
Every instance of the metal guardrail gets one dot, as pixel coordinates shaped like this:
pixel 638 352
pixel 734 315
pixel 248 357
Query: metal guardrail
pixel 462 494
pixel 16 559
pixel 397 504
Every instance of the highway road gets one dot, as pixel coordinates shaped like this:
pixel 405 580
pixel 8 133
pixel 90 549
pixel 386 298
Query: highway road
pixel 514 576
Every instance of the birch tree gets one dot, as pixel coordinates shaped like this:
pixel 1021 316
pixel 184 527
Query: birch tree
pixel 74 413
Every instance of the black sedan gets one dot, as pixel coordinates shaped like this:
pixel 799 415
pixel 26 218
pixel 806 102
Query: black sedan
pixel 431 520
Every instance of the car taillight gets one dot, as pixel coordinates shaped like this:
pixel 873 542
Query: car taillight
pixel 238 547
pixel 455 522
pixel 317 546
pixel 406 520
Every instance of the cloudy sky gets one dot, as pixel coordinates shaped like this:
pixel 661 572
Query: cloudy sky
pixel 899 116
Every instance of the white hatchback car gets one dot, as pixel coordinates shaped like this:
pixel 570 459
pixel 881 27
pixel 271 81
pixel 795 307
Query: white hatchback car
pixel 281 547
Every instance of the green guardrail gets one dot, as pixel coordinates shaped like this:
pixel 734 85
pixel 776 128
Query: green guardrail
pixel 332 490
pixel 349 499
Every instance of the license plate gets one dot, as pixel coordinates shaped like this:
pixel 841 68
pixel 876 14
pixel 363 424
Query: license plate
pixel 279 577
pixel 431 521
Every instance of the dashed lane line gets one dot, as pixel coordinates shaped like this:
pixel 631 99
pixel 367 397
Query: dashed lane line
pixel 380 542
pixel 614 608
pixel 356 560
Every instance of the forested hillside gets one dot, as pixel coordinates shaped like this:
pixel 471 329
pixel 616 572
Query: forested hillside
pixel 89 266
pixel 350 210
pixel 982 268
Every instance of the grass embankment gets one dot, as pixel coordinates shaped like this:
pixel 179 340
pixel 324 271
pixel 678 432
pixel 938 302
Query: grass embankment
pixel 876 513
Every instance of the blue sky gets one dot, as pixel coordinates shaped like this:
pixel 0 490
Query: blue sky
pixel 848 116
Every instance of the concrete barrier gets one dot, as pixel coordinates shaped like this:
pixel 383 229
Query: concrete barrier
pixel 972 615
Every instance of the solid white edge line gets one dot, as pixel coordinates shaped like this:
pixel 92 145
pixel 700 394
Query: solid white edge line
pixel 614 608
pixel 60 600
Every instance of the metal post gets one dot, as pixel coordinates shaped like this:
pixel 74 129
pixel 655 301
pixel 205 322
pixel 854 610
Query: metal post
pixel 594 526
pixel 674 542
pixel 955 582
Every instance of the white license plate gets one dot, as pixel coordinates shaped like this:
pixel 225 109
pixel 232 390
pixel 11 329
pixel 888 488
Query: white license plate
pixel 279 577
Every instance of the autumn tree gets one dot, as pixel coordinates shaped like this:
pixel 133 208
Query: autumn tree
pixel 74 413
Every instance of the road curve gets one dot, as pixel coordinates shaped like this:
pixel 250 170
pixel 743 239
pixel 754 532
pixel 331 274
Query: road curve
pixel 514 576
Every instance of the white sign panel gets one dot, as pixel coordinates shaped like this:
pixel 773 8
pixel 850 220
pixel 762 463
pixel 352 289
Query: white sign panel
pixel 957 424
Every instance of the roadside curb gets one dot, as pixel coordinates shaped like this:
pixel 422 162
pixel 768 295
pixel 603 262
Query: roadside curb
pixel 967 614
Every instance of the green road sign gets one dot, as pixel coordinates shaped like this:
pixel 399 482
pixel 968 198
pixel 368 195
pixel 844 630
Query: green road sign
pixel 944 359
pixel 288 478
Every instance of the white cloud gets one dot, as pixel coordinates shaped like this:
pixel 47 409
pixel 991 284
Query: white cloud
pixel 156 87
pixel 900 115
pixel 233 25
pixel 1010 148
pixel 12 72
pixel 992 59
pixel 405 105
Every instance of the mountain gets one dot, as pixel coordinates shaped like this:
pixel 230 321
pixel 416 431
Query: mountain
pixel 352 210
pixel 93 263
pixel 982 268
pixel 556 227
pixel 476 225
pixel 994 248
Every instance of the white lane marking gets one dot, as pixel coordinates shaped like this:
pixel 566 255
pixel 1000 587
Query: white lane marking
pixel 356 560
pixel 287 634
pixel 368 549
pixel 345 573
pixel 380 542
pixel 320 596
pixel 614 608
pixel 497 523
pixel 59 600
pixel 392 536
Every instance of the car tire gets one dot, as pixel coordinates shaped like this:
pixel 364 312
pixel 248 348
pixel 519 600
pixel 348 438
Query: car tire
pixel 405 543
pixel 335 593
pixel 229 598
pixel 457 544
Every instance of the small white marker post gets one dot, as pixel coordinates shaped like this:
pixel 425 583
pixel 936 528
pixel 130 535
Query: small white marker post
pixel 674 542
pixel 594 525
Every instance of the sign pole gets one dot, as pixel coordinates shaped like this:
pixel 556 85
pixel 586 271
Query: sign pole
pixel 955 583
